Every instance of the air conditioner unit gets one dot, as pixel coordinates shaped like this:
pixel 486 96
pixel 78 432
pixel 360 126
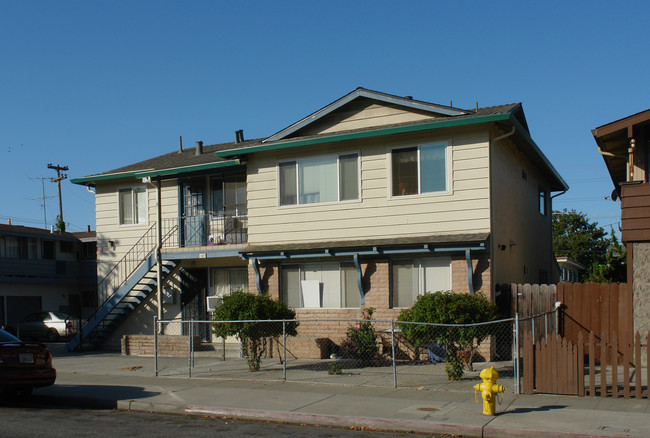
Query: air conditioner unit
pixel 212 302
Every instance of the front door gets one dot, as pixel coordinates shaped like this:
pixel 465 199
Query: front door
pixel 193 229
pixel 193 306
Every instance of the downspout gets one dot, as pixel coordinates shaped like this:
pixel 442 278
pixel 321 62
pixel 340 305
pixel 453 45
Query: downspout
pixel 468 255
pixel 507 134
pixel 258 280
pixel 470 280
pixel 159 250
pixel 357 265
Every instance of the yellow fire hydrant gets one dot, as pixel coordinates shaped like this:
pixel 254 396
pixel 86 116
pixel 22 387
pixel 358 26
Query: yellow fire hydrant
pixel 489 389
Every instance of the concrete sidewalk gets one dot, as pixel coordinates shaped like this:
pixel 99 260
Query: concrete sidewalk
pixel 127 382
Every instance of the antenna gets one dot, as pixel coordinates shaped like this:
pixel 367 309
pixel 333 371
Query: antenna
pixel 43 198
pixel 58 179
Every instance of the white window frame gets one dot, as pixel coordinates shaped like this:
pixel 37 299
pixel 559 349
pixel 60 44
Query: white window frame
pixel 134 206
pixel 419 146
pixel 338 179
pixel 302 267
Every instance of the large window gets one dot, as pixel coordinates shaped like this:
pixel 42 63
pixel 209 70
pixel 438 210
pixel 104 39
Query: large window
pixel 419 169
pixel 330 178
pixel 133 206
pixel 227 280
pixel 411 278
pixel 320 285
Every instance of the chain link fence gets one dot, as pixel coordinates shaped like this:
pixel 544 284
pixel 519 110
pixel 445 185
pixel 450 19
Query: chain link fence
pixel 362 352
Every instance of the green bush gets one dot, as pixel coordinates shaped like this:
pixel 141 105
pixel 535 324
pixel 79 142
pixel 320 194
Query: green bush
pixel 361 340
pixel 243 306
pixel 460 342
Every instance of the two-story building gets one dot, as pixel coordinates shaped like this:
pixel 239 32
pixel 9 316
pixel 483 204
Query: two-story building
pixel 372 200
pixel 625 146
pixel 45 271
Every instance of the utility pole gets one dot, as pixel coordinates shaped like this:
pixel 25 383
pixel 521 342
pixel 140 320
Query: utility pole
pixel 59 177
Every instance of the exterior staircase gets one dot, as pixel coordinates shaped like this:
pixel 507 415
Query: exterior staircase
pixel 130 281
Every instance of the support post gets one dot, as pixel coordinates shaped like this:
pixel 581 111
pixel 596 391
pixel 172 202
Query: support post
pixel 362 296
pixel 284 350
pixel 189 348
pixel 470 274
pixel 159 250
pixel 155 343
pixel 392 346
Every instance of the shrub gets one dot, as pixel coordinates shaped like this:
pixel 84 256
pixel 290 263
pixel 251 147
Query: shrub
pixel 460 343
pixel 361 340
pixel 243 306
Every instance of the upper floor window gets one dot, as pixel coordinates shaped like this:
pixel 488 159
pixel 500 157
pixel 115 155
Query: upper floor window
pixel 419 169
pixel 542 200
pixel 133 205
pixel 329 178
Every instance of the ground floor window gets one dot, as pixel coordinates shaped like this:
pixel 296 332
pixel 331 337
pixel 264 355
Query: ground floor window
pixel 320 285
pixel 414 277
pixel 227 280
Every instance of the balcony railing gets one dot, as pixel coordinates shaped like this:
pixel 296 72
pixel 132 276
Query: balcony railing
pixel 206 230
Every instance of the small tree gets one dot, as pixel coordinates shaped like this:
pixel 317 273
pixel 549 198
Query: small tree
pixel 258 310
pixel 59 225
pixel 460 343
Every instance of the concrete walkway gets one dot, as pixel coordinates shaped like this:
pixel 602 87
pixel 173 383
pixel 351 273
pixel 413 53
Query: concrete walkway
pixel 127 382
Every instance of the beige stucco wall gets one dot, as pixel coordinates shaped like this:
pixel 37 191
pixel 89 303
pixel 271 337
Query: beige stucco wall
pixel 463 209
pixel 516 221
pixel 641 287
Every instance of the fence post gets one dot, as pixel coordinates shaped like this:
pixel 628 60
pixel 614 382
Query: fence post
pixel 189 352
pixel 392 346
pixel 223 348
pixel 516 353
pixel 155 343
pixel 284 350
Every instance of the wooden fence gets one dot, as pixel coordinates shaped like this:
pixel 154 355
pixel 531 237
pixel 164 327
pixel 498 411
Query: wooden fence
pixel 557 366
pixel 597 308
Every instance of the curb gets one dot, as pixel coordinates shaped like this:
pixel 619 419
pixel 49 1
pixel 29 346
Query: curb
pixel 370 423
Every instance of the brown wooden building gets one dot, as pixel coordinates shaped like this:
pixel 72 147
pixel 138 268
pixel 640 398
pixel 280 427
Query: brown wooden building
pixel 625 147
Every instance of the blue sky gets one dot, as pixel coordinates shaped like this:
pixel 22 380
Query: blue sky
pixel 96 85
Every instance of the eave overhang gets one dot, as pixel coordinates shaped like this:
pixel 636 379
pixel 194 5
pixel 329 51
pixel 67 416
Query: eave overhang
pixel 537 156
pixel 376 247
pixel 288 144
pixel 613 140
pixel 148 173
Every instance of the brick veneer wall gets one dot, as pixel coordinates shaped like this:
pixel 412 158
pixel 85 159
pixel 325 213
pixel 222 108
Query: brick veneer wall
pixel 143 345
pixel 317 339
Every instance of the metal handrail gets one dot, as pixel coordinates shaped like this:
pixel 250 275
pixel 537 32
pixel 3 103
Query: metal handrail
pixel 130 256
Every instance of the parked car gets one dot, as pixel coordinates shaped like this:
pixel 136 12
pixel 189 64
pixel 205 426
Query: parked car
pixel 23 366
pixel 46 325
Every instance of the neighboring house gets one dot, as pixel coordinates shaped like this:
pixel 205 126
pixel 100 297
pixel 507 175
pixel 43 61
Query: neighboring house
pixel 45 271
pixel 370 201
pixel 625 147
pixel 570 270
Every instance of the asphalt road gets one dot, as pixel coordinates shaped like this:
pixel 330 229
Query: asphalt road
pixel 34 419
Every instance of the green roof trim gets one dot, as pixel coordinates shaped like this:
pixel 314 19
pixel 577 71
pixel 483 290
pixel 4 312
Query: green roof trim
pixel 94 178
pixel 151 172
pixel 366 134
pixel 186 169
